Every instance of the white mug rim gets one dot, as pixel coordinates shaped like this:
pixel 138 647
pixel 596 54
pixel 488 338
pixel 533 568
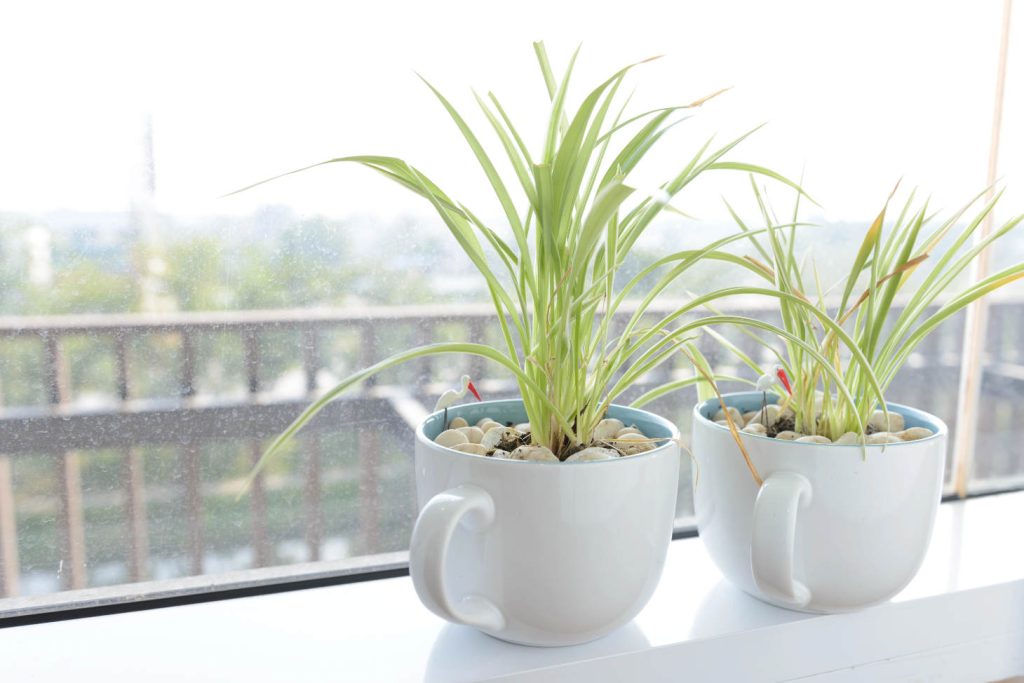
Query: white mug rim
pixel 421 437
pixel 937 425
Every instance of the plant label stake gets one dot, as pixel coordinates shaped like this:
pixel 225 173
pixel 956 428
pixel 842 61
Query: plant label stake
pixel 452 395
pixel 766 382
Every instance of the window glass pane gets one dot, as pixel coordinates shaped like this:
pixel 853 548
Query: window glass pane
pixel 998 462
pixel 156 335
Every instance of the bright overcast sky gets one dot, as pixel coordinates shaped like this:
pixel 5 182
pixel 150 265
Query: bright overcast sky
pixel 860 94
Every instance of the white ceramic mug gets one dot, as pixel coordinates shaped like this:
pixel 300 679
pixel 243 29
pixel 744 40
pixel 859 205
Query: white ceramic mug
pixel 831 529
pixel 541 553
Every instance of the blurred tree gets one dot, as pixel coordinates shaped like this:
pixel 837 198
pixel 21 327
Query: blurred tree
pixel 82 286
pixel 314 264
pixel 195 273
pixel 11 275
pixel 306 264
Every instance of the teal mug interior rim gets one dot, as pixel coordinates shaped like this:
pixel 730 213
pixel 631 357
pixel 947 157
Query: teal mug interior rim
pixel 745 401
pixel 512 410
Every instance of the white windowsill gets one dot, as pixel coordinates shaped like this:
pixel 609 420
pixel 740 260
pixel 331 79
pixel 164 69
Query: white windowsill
pixel 962 619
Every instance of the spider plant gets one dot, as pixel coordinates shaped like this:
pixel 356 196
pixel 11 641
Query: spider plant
pixel 913 260
pixel 569 221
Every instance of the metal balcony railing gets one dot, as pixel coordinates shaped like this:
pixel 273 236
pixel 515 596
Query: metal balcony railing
pixel 62 426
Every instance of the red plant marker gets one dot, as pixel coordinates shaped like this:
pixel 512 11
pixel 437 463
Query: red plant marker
pixel 472 390
pixel 785 380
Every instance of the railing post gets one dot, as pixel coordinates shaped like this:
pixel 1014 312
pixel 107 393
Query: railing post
pixel 55 371
pixel 312 482
pixel 258 511
pixel 425 365
pixel 257 492
pixel 369 485
pixel 311 494
pixel 1016 326
pixel 995 344
pixel 990 423
pixel 188 364
pixel 133 476
pixel 251 341
pixel 69 479
pixel 9 563
pixel 368 454
pixel 72 537
pixel 121 363
pixel 190 462
pixel 1015 458
pixel 193 506
pixel 311 357
pixel 134 482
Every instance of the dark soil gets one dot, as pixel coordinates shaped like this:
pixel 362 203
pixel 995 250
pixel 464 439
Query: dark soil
pixel 566 450
pixel 783 424
pixel 512 444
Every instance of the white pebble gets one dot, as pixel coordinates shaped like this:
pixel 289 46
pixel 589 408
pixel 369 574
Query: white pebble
pixel 593 453
pixel 882 437
pixel 628 430
pixel 788 435
pixel 733 412
pixel 607 429
pixel 771 414
pixel 914 433
pixel 755 428
pixel 451 437
pixel 722 422
pixel 474 448
pixel 496 435
pixel 631 444
pixel 500 454
pixel 541 453
pixel 474 434
pixel 489 425
pixel 523 427
pixel 457 422
pixel 849 439
pixel 814 438
pixel 747 417
pixel 895 423
pixel 482 420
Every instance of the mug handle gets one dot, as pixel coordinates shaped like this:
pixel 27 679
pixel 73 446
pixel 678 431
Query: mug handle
pixel 774 534
pixel 428 553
